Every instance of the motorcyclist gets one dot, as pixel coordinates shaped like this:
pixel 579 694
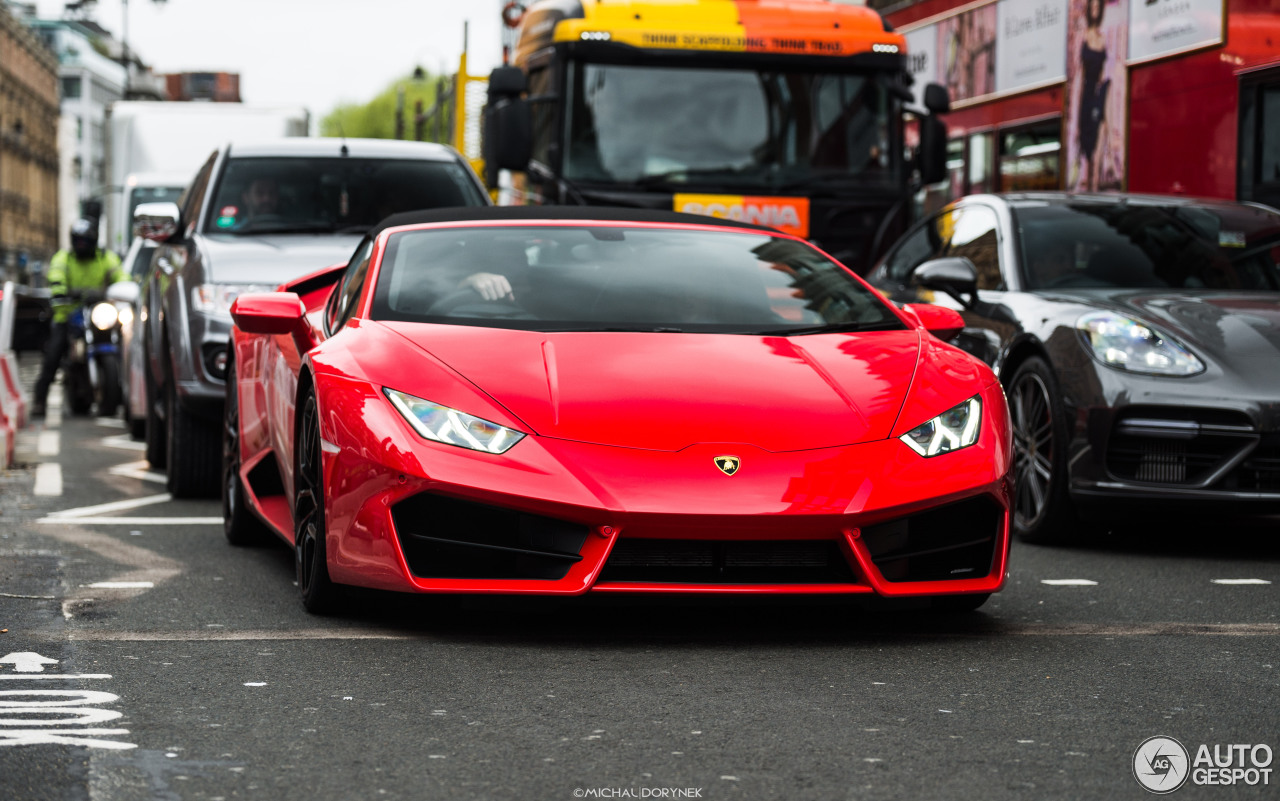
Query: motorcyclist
pixel 83 270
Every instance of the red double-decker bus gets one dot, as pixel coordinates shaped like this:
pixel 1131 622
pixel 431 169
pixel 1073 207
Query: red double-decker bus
pixel 1168 96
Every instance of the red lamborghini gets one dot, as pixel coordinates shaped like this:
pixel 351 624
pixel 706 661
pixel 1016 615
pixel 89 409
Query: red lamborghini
pixel 562 401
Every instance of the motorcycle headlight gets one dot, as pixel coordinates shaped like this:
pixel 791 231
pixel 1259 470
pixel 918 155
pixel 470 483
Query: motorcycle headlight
pixel 952 430
pixel 217 298
pixel 103 316
pixel 452 427
pixel 1125 344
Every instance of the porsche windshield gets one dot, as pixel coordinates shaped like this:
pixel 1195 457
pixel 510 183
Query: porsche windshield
pixel 1140 246
pixel 332 195
pixel 621 278
pixel 740 128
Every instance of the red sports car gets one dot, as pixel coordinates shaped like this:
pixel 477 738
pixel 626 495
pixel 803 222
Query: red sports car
pixel 562 401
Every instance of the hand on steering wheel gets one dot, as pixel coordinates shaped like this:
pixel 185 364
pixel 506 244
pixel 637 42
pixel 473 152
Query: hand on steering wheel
pixel 489 286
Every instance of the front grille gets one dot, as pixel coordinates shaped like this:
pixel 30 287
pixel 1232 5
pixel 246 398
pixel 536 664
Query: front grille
pixel 727 562
pixel 952 542
pixel 448 538
pixel 1179 447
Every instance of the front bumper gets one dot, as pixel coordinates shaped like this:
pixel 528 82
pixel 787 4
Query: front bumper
pixel 564 518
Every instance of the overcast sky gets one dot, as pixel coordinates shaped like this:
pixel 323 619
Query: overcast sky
pixel 317 53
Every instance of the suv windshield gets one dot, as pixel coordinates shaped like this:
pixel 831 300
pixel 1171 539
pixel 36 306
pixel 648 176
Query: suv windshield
pixel 622 278
pixel 1140 246
pixel 734 127
pixel 332 195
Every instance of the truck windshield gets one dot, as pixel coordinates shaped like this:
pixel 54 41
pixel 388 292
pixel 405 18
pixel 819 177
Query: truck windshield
pixel 728 127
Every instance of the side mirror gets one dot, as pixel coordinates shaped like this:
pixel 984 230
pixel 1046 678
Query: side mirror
pixel 954 275
pixel 940 321
pixel 937 99
pixel 508 138
pixel 123 292
pixel 506 82
pixel 157 222
pixel 931 158
pixel 269 313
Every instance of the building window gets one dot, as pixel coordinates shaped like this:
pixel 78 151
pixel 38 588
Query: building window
pixel 1030 157
pixel 1259 164
pixel 70 88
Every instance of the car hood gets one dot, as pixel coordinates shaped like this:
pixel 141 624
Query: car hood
pixel 667 391
pixel 1239 331
pixel 272 258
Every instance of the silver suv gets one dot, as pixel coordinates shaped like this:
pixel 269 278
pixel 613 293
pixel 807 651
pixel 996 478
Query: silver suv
pixel 258 215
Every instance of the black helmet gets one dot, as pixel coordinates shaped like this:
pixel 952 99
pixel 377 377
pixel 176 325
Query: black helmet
pixel 84 237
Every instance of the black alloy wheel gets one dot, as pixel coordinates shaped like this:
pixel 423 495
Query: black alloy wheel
pixel 239 523
pixel 1041 509
pixel 318 593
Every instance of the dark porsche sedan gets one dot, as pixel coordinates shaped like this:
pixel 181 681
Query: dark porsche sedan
pixel 1137 337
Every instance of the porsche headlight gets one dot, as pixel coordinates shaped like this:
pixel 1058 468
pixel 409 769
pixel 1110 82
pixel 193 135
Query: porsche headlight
pixel 1126 344
pixel 952 430
pixel 103 316
pixel 217 298
pixel 452 427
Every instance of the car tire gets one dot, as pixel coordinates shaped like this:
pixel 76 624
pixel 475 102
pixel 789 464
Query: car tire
pixel 192 451
pixel 154 428
pixel 239 523
pixel 317 591
pixel 78 388
pixel 1042 510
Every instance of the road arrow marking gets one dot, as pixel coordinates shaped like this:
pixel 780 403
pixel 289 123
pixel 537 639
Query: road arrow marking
pixel 27 662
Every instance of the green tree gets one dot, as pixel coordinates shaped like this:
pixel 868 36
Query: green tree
pixel 376 119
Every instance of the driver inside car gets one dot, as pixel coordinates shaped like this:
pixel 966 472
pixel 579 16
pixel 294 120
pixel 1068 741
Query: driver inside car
pixel 260 199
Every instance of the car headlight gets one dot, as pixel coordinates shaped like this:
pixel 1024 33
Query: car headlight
pixel 452 427
pixel 103 316
pixel 1125 344
pixel 952 430
pixel 217 298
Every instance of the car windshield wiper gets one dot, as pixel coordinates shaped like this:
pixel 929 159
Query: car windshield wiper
pixel 828 328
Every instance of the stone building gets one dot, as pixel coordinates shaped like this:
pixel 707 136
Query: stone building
pixel 28 150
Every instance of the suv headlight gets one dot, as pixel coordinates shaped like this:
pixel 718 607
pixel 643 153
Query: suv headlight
pixel 952 430
pixel 1125 344
pixel 452 427
pixel 217 298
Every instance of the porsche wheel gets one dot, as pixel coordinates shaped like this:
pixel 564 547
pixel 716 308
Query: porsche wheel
pixel 317 591
pixel 1041 509
pixel 239 523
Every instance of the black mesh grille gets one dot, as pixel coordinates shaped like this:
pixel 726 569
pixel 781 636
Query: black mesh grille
pixel 1180 447
pixel 448 538
pixel 727 562
pixel 956 541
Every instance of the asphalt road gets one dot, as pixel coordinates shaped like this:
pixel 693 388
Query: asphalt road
pixel 187 669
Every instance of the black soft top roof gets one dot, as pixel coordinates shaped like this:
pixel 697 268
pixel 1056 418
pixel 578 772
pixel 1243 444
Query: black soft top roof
pixel 518 213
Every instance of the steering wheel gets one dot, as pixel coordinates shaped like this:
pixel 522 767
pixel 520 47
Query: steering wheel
pixel 468 303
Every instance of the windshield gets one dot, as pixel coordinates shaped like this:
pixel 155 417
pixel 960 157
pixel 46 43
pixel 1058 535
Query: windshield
pixel 729 127
pixel 1138 246
pixel 332 195
pixel 621 278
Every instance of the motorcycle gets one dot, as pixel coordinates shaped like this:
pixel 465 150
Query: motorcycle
pixel 91 366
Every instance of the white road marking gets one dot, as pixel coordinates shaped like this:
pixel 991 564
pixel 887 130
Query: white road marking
pixel 27 661
pixel 48 443
pixel 122 585
pixel 1069 582
pixel 114 506
pixel 255 684
pixel 109 422
pixel 48 479
pixel 124 442
pixel 139 470
pixel 1241 581
pixel 30 677
pixel 135 521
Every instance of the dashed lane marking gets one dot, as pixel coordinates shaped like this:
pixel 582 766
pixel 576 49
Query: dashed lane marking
pixel 48 479
pixel 1241 581
pixel 48 443
pixel 1069 582
pixel 135 521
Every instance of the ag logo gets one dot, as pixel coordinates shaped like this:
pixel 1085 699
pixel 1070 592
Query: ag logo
pixel 1161 765
pixel 728 464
